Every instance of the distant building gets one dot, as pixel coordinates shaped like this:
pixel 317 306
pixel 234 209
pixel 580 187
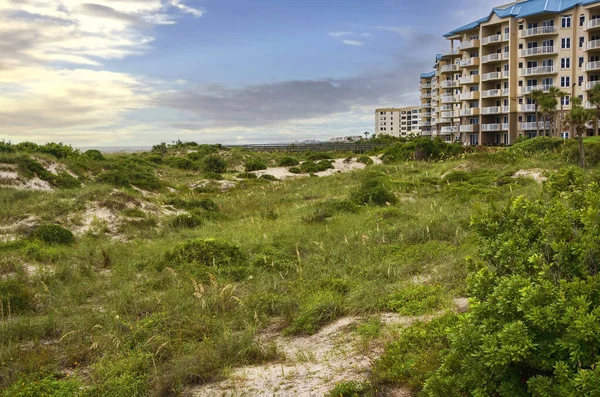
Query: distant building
pixel 353 138
pixel 399 122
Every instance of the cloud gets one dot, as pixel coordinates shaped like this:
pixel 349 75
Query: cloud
pixel 340 34
pixel 196 12
pixel 355 43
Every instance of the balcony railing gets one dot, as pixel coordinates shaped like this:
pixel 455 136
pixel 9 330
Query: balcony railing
pixel 505 74
pixel 496 38
pixel 592 66
pixel 593 23
pixel 426 105
pixel 592 45
pixel 491 58
pixel 469 112
pixel 530 107
pixel 540 30
pixel 491 76
pixel 449 68
pixel 449 99
pixel 447 115
pixel 447 107
pixel 532 125
pixel 469 96
pixel 426 86
pixel 492 110
pixel 472 79
pixel 538 51
pixel 449 83
pixel 425 96
pixel 426 123
pixel 537 71
pixel 470 44
pixel 494 127
pixel 590 84
pixel 426 114
pixel 528 89
pixel 426 132
pixel 473 61
pixel 491 93
pixel 449 129
pixel 469 128
pixel 450 52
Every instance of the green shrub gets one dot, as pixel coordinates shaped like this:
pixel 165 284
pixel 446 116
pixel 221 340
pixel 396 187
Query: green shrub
pixel 319 156
pixel 213 176
pixel 37 385
pixel 154 158
pixel 127 375
pixel 58 150
pixel 161 148
pixel 6 147
pixel 320 309
pixel 537 144
pixel 288 161
pixel 191 204
pixel 130 171
pixel 421 149
pixel 53 234
pixel 254 164
pixel 365 160
pixel 15 297
pixel 94 154
pixel 295 170
pixel 205 252
pixel 186 220
pixel 247 175
pixel 352 389
pixel 373 191
pixel 181 163
pixel 416 300
pixel 268 177
pixel 134 213
pixel 214 163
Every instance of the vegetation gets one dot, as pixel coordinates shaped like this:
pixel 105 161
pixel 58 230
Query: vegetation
pixel 147 278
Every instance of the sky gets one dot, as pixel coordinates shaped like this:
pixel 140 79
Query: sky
pixel 141 72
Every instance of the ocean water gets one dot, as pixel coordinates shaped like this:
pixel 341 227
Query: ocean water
pixel 117 149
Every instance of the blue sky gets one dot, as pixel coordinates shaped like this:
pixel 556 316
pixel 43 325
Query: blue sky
pixel 138 72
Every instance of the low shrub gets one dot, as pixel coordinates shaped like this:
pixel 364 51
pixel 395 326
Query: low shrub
pixel 416 300
pixel 53 234
pixel 247 175
pixel 186 220
pixel 15 297
pixel 6 147
pixel 319 156
pixel 94 154
pixel 214 163
pixel 181 163
pixel 191 204
pixel 365 160
pixel 537 145
pixel 295 170
pixel 421 149
pixel 308 167
pixel 205 252
pixel 128 375
pixel 320 309
pixel 38 385
pixel 352 389
pixel 288 161
pixel 373 191
pixel 254 164
pixel 268 177
pixel 130 171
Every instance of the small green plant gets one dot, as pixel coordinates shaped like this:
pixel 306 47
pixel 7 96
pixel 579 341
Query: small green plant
pixel 288 161
pixel 268 177
pixel 94 154
pixel 53 234
pixel 205 252
pixel 37 385
pixel 15 298
pixel 254 164
pixel 352 389
pixel 180 162
pixel 214 163
pixel 365 160
pixel 295 170
pixel 320 309
pixel 416 300
pixel 373 191
pixel 187 221
pixel 247 175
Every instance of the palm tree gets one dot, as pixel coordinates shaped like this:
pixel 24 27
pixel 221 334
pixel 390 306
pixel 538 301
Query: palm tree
pixel 578 118
pixel 594 98
pixel 535 96
pixel 559 94
pixel 366 133
pixel 548 108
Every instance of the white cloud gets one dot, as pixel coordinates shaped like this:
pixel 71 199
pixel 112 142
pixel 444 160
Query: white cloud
pixel 355 43
pixel 340 34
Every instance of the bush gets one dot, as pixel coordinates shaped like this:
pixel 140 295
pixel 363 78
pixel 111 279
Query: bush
pixel 352 389
pixel 130 171
pixel 372 191
pixel 214 163
pixel 94 154
pixel 205 252
pixel 421 149
pixel 15 297
pixel 295 170
pixel 187 220
pixel 537 145
pixel 365 160
pixel 53 234
pixel 288 161
pixel 416 300
pixel 320 309
pixel 181 163
pixel 255 164
pixel 37 385
pixel 247 175
pixel 319 156
pixel 268 177
pixel 122 376
pixel 6 147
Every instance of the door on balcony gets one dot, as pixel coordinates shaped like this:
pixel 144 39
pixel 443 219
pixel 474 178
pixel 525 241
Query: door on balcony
pixel 505 139
pixel 532 44
pixel 474 139
pixel 548 43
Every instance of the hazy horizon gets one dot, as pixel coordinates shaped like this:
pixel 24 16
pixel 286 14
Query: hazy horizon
pixel 137 73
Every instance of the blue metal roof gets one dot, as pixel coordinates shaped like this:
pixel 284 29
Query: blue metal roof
pixel 524 9
pixel 428 75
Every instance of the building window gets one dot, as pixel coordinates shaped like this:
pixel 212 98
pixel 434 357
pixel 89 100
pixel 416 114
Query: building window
pixel 565 81
pixel 581 40
pixel 580 62
pixel 580 81
pixel 565 100
pixel 565 63
pixel 581 20
pixel 566 21
pixel 566 43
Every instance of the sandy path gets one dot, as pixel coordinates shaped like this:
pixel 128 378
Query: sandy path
pixel 339 164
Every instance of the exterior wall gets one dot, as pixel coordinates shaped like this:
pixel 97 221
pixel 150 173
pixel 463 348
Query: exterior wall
pixel 399 122
pixel 496 62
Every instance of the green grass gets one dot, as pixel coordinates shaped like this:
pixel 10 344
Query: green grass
pixel 173 300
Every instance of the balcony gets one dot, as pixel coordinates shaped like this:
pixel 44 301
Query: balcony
pixel 450 52
pixel 449 83
pixel 426 133
pixel 539 70
pixel 491 93
pixel 494 127
pixel 593 24
pixel 593 45
pixel 590 84
pixel 539 31
pixel 491 76
pixel 473 61
pixel 527 108
pixel 529 52
pixel 426 123
pixel 447 107
pixel 532 125
pixel 505 74
pixel 447 115
pixel 426 86
pixel 470 44
pixel 449 68
pixel 426 106
pixel 494 110
pixel 426 114
pixel 449 129
pixel 592 66
pixel 497 38
pixel 449 99
pixel 469 96
pixel 469 128
pixel 491 58
pixel 469 112
pixel 528 89
pixel 425 96
pixel 473 79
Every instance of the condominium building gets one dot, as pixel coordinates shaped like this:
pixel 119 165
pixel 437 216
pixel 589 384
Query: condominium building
pixel 399 122
pixel 478 90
